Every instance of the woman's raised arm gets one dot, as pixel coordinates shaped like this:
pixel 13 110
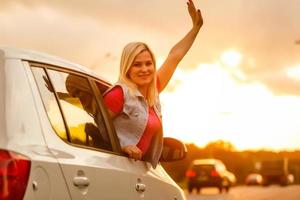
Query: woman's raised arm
pixel 181 48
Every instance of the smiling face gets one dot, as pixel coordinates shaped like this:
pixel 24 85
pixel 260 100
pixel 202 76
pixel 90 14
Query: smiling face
pixel 142 70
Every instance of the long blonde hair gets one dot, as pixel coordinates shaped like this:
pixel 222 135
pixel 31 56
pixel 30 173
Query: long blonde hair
pixel 129 53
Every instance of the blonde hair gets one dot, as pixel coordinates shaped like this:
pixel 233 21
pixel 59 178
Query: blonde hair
pixel 129 53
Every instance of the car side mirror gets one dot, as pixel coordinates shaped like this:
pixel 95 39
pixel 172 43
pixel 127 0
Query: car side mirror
pixel 173 150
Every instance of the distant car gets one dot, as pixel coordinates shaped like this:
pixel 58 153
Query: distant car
pixel 254 179
pixel 209 173
pixel 291 179
pixel 275 171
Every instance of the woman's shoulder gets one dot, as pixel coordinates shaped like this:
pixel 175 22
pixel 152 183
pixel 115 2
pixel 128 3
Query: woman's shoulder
pixel 115 90
pixel 114 99
pixel 118 87
pixel 121 85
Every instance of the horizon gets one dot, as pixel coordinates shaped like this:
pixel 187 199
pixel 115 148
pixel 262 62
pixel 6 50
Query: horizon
pixel 248 150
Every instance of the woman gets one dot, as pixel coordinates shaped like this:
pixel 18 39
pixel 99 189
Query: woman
pixel 133 101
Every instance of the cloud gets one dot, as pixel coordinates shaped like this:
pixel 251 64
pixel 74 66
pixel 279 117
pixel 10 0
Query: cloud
pixel 111 12
pixel 278 77
pixel 85 32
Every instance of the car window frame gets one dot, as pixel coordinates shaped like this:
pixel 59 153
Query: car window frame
pixel 116 148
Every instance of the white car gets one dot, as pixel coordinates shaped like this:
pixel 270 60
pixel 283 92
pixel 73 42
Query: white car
pixel 254 179
pixel 58 142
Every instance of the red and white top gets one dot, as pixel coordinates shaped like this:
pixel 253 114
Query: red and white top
pixel 114 100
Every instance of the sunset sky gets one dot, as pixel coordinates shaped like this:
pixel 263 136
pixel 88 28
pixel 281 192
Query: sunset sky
pixel 240 82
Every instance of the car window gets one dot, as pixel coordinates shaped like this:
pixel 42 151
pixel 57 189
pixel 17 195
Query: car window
pixel 82 115
pixel 102 87
pixel 50 102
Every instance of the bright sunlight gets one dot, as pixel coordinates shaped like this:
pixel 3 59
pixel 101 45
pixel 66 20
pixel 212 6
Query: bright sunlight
pixel 231 58
pixel 209 104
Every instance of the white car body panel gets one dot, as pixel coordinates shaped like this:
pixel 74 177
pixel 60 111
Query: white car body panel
pixel 21 132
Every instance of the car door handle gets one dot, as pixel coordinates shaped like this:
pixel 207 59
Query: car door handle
pixel 140 187
pixel 81 181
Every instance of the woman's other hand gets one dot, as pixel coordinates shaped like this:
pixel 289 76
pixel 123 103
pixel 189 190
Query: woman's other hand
pixel 195 14
pixel 133 152
pixel 48 84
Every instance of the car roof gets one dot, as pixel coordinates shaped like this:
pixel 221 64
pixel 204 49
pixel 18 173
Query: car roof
pixel 35 56
pixel 206 161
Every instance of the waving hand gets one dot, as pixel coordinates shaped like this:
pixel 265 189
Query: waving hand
pixel 195 14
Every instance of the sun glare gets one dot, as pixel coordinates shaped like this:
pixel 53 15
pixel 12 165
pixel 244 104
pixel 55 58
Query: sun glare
pixel 209 105
pixel 293 72
pixel 159 62
pixel 231 58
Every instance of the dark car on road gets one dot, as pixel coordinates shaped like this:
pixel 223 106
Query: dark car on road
pixel 209 173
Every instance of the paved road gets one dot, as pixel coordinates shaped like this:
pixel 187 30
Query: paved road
pixel 273 192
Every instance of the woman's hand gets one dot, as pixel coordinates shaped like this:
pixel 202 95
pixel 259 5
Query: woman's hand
pixel 133 152
pixel 195 14
pixel 48 84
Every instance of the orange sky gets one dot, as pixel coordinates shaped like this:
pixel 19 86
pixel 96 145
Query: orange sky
pixel 240 81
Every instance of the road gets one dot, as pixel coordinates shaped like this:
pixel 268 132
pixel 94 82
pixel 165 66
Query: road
pixel 272 192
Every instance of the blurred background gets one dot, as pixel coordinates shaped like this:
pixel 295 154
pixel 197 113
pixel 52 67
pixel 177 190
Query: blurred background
pixel 234 97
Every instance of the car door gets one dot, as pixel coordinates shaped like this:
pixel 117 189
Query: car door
pixel 152 183
pixel 79 137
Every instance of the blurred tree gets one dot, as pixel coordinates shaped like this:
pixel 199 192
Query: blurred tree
pixel 220 145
